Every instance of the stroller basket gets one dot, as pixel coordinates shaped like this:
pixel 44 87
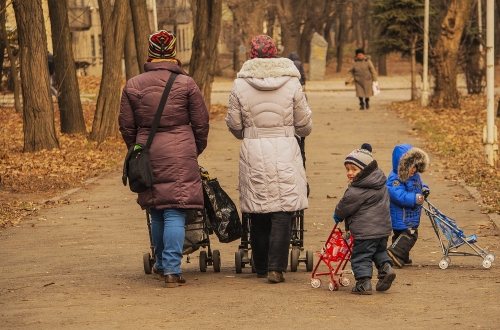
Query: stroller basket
pixel 335 254
pixel 451 237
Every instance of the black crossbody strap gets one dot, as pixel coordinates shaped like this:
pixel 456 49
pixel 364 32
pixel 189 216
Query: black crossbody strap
pixel 156 120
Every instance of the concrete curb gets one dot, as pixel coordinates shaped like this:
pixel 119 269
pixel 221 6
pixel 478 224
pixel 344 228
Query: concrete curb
pixel 494 217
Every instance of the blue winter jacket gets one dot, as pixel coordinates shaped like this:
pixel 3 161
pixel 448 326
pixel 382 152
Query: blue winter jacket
pixel 403 189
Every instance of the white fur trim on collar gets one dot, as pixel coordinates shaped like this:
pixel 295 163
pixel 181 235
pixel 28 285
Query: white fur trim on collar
pixel 268 67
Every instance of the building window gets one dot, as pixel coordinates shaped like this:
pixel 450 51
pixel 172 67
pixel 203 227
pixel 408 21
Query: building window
pixel 100 47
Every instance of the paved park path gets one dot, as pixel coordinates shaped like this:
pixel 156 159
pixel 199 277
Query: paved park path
pixel 79 265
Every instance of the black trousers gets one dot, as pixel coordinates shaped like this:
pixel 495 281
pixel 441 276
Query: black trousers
pixel 270 235
pixel 366 251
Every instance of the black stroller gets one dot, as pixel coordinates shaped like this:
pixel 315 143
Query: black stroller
pixel 242 257
pixel 197 236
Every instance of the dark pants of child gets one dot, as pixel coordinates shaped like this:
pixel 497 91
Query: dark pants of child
pixel 270 239
pixel 366 251
pixel 402 243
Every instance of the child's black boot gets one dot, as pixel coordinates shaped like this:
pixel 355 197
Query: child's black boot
pixel 386 276
pixel 363 286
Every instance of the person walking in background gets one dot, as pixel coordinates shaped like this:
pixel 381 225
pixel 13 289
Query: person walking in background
pixel 181 137
pixel 293 56
pixel 363 74
pixel 407 192
pixel 365 208
pixel 267 107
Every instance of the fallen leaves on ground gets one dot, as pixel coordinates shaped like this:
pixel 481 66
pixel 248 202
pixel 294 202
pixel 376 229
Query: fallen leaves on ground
pixel 455 135
pixel 28 181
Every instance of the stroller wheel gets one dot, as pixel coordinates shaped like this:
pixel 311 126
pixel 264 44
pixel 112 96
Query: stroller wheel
pixel 309 260
pixel 486 263
pixel 237 262
pixel 294 260
pixel 490 257
pixel 344 281
pixel 315 282
pixel 333 286
pixel 203 261
pixel 146 258
pixel 443 263
pixel 216 260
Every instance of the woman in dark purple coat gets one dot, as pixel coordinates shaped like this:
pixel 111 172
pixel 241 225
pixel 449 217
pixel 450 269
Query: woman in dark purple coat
pixel 181 136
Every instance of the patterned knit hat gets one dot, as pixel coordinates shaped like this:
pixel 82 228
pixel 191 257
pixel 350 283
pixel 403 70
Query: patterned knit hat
pixel 162 45
pixel 360 157
pixel 263 46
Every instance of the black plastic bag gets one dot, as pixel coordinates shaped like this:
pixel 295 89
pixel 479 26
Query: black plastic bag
pixel 221 211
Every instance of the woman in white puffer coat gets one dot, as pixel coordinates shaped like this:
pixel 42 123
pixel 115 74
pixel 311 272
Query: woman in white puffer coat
pixel 267 109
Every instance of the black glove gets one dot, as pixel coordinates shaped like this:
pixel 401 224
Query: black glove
pixel 426 192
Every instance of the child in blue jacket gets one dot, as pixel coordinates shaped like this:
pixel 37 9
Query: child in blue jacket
pixel 407 193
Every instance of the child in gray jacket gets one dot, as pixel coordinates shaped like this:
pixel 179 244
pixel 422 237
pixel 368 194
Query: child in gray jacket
pixel 365 207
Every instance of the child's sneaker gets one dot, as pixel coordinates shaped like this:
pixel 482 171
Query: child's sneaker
pixel 363 287
pixel 386 276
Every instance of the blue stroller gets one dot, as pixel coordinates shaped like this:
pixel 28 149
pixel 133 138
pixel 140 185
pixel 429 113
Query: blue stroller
pixel 451 237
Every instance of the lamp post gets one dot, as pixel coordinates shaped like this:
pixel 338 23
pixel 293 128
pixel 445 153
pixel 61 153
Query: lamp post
pixel 490 136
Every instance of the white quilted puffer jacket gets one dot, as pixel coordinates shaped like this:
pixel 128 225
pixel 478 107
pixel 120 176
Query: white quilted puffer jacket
pixel 267 108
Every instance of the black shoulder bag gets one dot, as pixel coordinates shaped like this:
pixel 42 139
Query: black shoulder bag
pixel 137 166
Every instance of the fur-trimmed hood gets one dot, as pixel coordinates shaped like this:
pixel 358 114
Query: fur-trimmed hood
pixel 404 157
pixel 268 73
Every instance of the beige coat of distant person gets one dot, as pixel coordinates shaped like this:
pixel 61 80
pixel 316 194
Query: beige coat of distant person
pixel 363 74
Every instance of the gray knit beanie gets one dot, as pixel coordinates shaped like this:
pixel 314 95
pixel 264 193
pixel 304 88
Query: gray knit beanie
pixel 360 157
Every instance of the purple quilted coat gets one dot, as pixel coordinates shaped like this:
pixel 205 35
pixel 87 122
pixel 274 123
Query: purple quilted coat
pixel 180 138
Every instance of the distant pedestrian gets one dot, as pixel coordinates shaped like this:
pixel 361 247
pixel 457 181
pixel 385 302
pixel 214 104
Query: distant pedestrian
pixel 267 108
pixel 298 63
pixel 363 74
pixel 407 192
pixel 181 137
pixel 365 208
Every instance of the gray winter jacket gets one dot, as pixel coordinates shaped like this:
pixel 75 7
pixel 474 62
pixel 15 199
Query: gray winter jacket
pixel 365 205
pixel 267 108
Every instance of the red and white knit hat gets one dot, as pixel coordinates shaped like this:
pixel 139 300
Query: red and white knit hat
pixel 162 45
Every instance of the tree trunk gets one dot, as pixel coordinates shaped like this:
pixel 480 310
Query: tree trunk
pixel 413 52
pixel 271 19
pixel 38 112
pixel 248 21
pixel 382 65
pixel 497 33
pixel 14 75
pixel 142 30
pixel 114 23
pixel 70 105
pixel 131 63
pixel 291 14
pixel 341 31
pixel 3 44
pixel 207 16
pixel 445 55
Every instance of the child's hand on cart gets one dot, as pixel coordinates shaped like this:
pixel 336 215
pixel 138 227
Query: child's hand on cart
pixel 426 192
pixel 336 218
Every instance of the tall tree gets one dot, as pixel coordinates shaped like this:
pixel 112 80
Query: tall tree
pixel 113 23
pixel 131 64
pixel 400 29
pixel 38 112
pixel 291 14
pixel 446 52
pixel 207 16
pixel 249 19
pixel 70 105
pixel 3 14
pixel 13 77
pixel 142 30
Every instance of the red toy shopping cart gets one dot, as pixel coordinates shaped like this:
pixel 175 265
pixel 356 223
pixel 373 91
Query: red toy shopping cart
pixel 335 255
